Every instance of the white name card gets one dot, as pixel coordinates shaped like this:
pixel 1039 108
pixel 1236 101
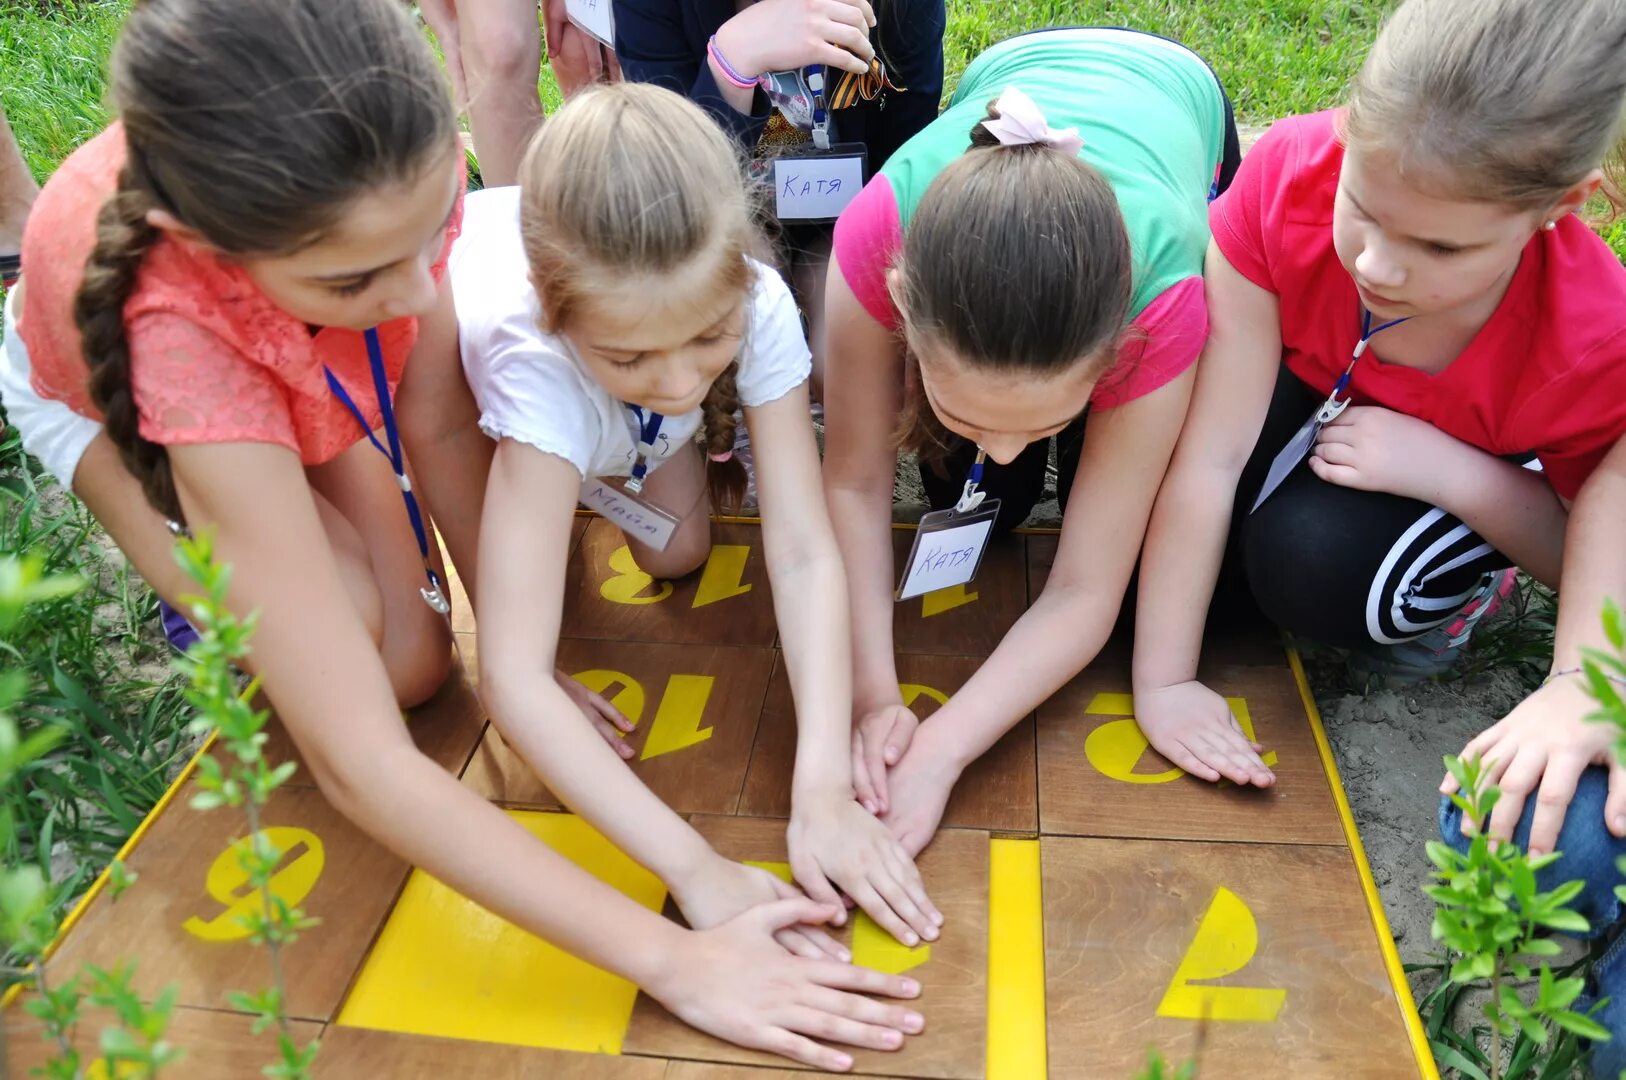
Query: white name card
pixel 816 188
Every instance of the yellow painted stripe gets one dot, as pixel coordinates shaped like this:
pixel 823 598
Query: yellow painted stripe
pixel 1374 903
pixel 1016 1009
pixel 96 886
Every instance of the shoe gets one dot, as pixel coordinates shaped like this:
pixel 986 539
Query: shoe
pixel 1436 651
pixel 180 633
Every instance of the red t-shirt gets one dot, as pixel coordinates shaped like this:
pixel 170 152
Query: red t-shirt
pixel 1546 374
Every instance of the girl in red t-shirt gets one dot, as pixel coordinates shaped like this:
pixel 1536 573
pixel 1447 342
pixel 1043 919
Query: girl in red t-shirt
pixel 1434 222
pixel 202 279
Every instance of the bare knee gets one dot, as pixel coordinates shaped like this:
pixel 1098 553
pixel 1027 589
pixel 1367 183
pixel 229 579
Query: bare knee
pixel 418 661
pixel 503 57
pixel 688 552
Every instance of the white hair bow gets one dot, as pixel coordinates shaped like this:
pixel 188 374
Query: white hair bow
pixel 1020 122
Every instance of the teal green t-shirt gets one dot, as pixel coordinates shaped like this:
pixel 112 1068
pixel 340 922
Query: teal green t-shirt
pixel 1152 117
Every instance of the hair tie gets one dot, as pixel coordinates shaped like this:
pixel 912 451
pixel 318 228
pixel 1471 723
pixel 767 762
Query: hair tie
pixel 1020 123
pixel 724 456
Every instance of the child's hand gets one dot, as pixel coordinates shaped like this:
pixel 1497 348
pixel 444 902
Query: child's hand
pixel 725 888
pixel 1193 727
pixel 1543 746
pixel 605 718
pixel 879 742
pixel 778 35
pixel 734 982
pixel 833 839
pixel 1376 449
pixel 920 784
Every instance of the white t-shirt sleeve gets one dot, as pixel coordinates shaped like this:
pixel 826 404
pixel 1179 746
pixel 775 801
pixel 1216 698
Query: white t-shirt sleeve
pixel 775 360
pixel 531 393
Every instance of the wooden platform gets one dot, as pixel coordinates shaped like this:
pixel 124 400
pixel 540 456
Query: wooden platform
pixel 1097 900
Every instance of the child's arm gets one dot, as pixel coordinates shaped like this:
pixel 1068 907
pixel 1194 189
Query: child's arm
pixel 1547 742
pixel 1185 721
pixel 1376 449
pixel 832 838
pixel 863 392
pixel 323 675
pixel 1126 450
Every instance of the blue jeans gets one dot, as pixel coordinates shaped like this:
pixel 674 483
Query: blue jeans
pixel 1590 852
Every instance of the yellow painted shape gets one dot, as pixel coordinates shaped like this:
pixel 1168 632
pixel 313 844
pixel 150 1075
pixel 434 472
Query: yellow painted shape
pixel 445 966
pixel 677 720
pixel 227 882
pixel 941 600
pixel 629 582
pixel 1227 939
pixel 872 946
pixel 629 699
pixel 722 577
pixel 1016 1006
pixel 1116 747
pixel 1422 1051
pixel 913 692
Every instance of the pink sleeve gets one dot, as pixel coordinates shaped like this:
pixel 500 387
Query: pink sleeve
pixel 1162 342
pixel 190 387
pixel 1246 221
pixel 868 236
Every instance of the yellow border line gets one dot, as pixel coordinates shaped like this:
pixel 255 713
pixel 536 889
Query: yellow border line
pixel 100 883
pixel 1017 1016
pixel 1391 956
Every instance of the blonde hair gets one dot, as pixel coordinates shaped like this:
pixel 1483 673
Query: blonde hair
pixel 629 181
pixel 1508 101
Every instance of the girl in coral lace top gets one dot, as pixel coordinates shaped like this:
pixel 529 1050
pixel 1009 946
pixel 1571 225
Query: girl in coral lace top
pixel 202 278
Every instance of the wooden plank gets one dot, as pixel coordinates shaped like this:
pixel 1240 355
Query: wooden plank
pixel 970 620
pixel 445 966
pixel 952 970
pixel 352 1053
pixel 706 1070
pixel 1098 776
pixel 696 707
pixel 1235 633
pixel 1271 943
pixel 218 1045
pixel 727 602
pixel 999 792
pixel 179 923
pixel 446 728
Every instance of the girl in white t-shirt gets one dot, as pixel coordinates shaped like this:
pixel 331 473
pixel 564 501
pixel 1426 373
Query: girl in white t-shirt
pixel 610 323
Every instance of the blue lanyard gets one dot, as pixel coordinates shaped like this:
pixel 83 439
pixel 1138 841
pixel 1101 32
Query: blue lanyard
pixel 821 126
pixel 649 428
pixel 1334 406
pixel 969 495
pixel 434 596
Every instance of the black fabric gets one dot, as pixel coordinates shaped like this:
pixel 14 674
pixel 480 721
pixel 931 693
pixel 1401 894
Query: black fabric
pixel 1329 563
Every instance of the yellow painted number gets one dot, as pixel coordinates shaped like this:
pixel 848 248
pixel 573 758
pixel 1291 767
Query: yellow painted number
pixel 297 870
pixel 1227 939
pixel 872 946
pixel 913 692
pixel 722 578
pixel 678 716
pixel 1117 746
pixel 955 596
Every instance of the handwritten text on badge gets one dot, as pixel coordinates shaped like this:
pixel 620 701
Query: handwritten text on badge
pixel 638 521
pixel 946 558
pixel 594 16
pixel 815 188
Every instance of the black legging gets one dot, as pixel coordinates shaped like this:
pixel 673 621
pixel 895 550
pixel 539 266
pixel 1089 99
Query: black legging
pixel 1341 566
pixel 1020 485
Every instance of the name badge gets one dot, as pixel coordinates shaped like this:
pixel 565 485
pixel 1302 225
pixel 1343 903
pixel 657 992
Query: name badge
pixel 948 549
pixel 638 518
pixel 595 18
pixel 817 185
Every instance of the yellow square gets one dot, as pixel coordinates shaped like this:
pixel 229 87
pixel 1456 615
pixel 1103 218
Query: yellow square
pixel 445 966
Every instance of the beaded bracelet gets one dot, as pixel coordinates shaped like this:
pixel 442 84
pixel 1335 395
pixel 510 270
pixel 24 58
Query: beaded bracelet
pixel 726 68
pixel 1576 671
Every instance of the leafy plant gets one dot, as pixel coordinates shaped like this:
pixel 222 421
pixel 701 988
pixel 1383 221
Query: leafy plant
pixel 1492 918
pixel 1158 1069
pixel 246 782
